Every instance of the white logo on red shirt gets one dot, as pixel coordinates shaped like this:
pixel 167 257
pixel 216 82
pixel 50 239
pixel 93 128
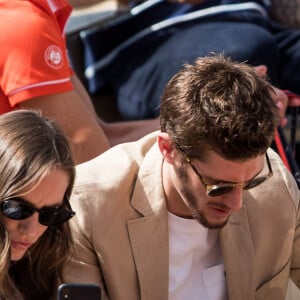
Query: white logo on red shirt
pixel 54 57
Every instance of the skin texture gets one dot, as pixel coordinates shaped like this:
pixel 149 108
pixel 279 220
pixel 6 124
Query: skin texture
pixel 48 192
pixel 280 98
pixel 89 136
pixel 71 112
pixel 186 196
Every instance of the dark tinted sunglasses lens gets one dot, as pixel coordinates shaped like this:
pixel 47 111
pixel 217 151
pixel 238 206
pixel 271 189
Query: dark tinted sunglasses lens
pixel 52 217
pixel 255 182
pixel 219 191
pixel 16 210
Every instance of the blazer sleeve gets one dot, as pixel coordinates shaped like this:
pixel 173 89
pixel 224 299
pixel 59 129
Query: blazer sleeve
pixel 84 266
pixel 295 265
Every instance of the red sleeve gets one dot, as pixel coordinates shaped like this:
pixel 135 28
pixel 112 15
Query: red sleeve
pixel 33 59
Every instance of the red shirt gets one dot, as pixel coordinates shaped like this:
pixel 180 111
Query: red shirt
pixel 33 58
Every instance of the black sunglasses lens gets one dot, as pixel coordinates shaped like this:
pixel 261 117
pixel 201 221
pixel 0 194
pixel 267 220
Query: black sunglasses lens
pixel 219 191
pixel 16 209
pixel 52 217
pixel 255 182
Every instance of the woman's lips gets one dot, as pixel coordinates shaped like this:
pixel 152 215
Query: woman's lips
pixel 20 246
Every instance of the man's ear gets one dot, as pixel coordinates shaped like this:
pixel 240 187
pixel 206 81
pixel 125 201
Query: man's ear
pixel 261 69
pixel 166 148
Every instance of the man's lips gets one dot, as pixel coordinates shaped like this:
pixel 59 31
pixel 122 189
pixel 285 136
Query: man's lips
pixel 220 211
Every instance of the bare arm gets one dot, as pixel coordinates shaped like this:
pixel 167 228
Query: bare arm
pixel 77 120
pixel 83 94
pixel 117 132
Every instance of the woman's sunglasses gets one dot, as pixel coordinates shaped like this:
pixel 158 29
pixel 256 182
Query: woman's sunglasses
pixel 215 190
pixel 18 209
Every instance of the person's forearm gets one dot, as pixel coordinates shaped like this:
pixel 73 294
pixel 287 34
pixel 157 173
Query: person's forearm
pixel 76 119
pixel 83 94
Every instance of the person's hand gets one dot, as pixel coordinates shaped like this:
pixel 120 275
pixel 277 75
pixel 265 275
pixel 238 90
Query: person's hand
pixel 281 100
pixel 294 100
pixel 279 96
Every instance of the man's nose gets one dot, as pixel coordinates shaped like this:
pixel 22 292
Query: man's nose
pixel 234 199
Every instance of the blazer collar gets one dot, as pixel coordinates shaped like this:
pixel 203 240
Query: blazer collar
pixel 238 254
pixel 149 234
pixel 150 244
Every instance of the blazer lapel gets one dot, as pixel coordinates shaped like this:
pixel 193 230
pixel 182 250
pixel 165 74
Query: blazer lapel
pixel 150 244
pixel 149 233
pixel 238 254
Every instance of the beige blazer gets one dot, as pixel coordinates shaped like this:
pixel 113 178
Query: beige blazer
pixel 121 229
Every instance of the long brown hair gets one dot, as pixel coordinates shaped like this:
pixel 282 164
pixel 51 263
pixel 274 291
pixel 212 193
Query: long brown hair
pixel 30 147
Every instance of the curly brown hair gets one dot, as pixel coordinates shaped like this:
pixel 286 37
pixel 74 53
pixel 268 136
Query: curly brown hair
pixel 220 105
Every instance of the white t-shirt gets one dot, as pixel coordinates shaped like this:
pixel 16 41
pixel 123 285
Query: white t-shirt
pixel 196 270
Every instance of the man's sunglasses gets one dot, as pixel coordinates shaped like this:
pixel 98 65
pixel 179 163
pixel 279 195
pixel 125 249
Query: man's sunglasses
pixel 215 190
pixel 18 209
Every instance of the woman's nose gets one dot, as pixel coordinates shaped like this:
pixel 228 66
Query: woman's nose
pixel 30 226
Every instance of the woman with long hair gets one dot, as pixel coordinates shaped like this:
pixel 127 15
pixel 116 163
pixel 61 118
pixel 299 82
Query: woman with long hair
pixel 36 178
